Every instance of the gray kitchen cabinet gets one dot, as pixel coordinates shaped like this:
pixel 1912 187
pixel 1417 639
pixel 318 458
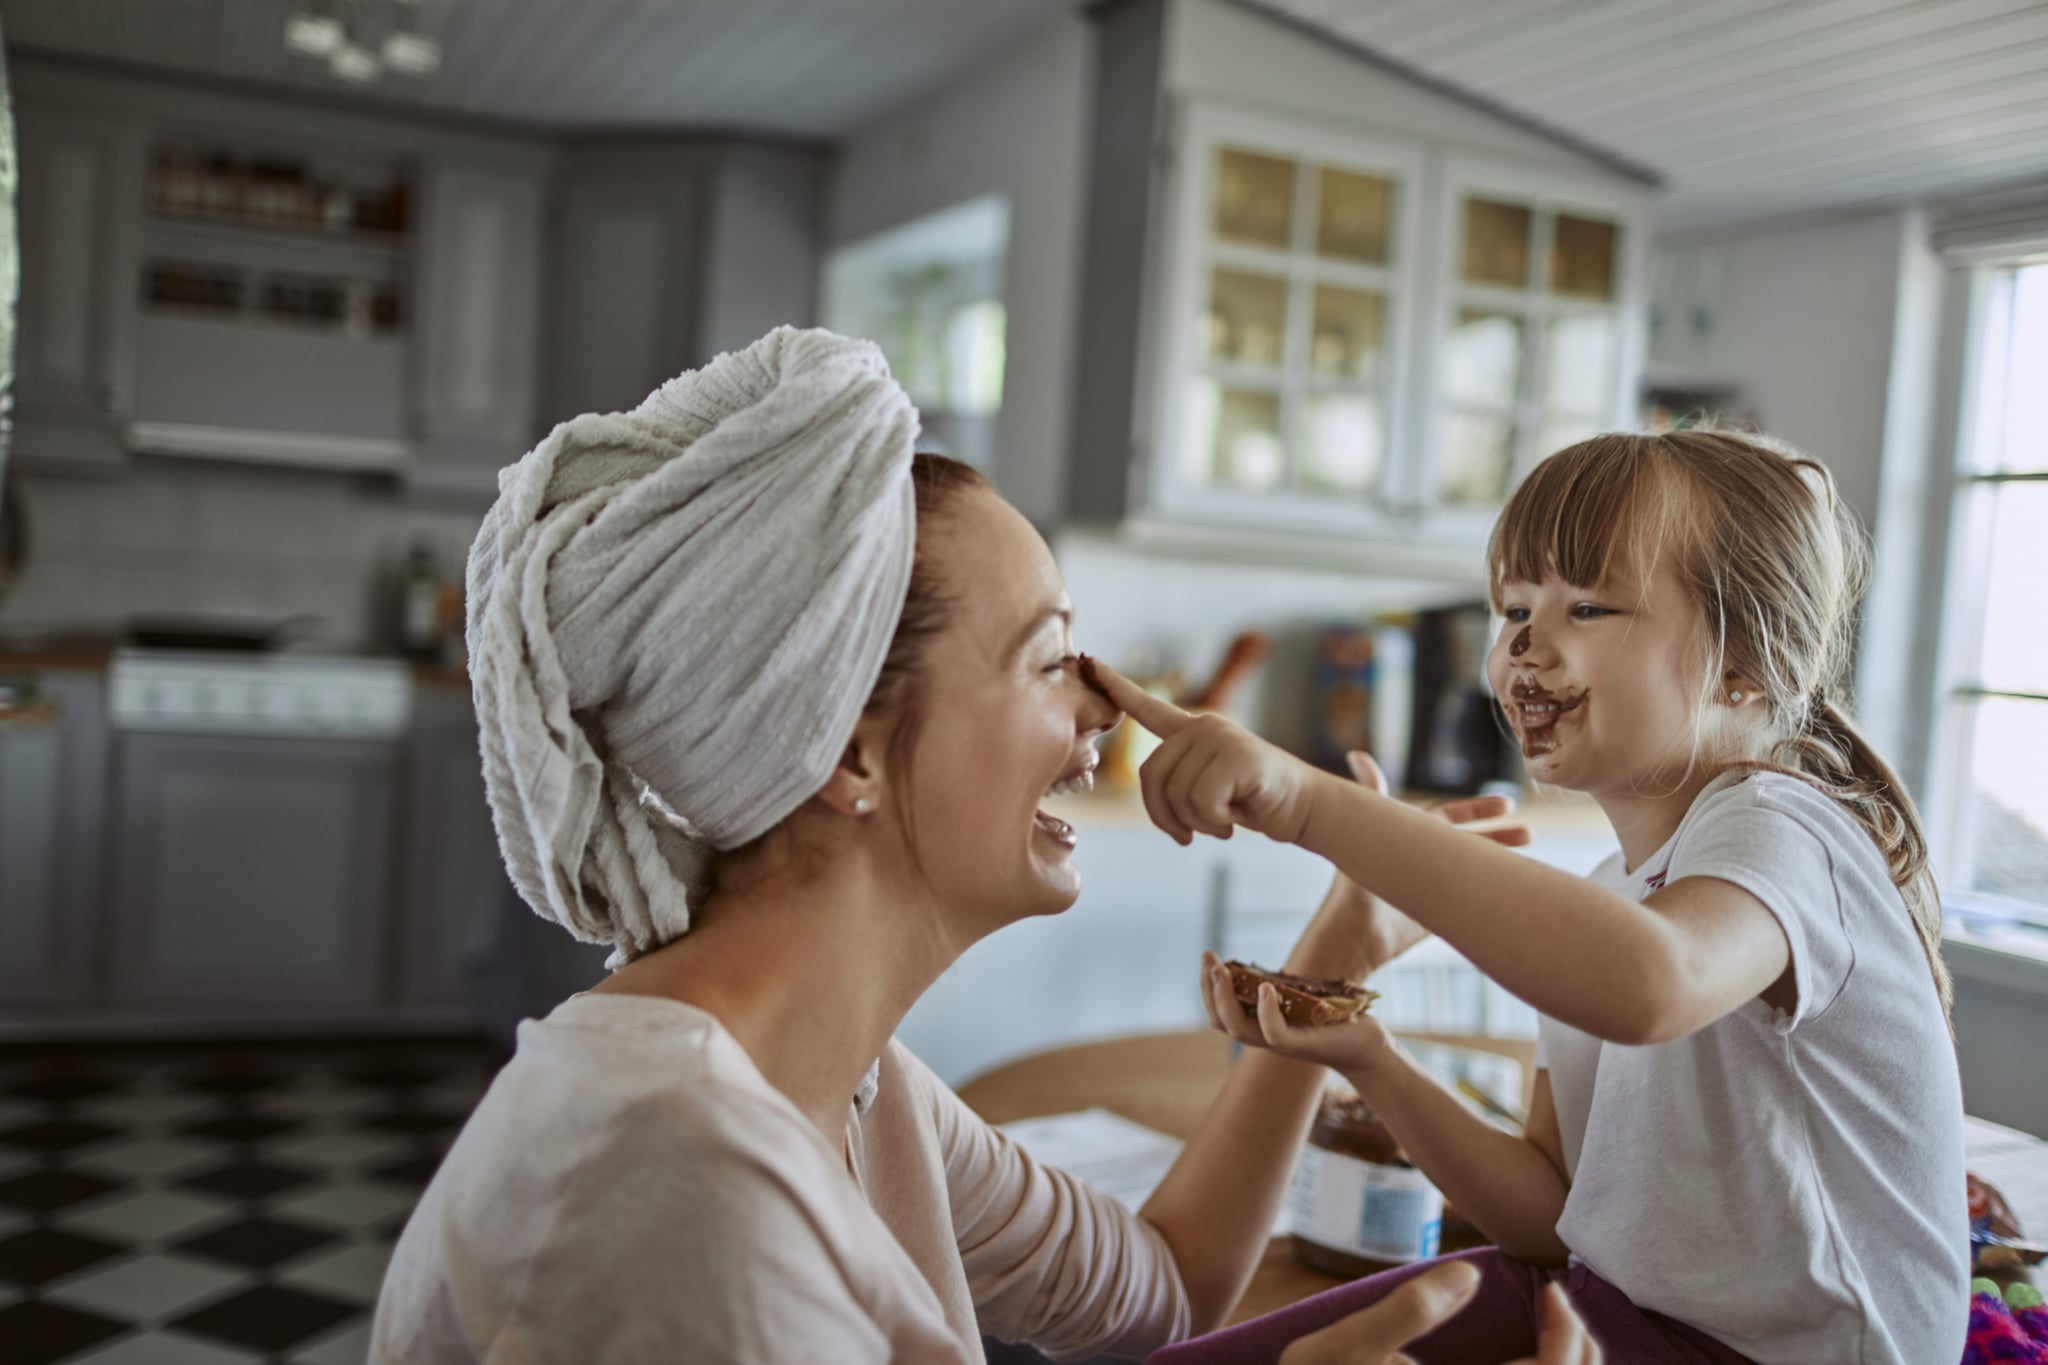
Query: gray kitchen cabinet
pixel 454 880
pixel 478 306
pixel 52 784
pixel 625 277
pixel 251 875
pixel 80 208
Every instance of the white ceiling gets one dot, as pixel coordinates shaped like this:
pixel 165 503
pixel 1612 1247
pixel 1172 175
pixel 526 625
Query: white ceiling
pixel 1745 107
pixel 808 68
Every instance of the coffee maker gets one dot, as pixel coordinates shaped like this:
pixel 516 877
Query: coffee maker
pixel 1458 742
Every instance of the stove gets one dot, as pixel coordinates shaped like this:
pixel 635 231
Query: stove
pixel 266 695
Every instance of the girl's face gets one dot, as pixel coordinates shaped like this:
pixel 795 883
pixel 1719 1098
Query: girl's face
pixel 1602 684
pixel 1006 719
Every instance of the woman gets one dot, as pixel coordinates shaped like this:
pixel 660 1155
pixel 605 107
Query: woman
pixel 745 668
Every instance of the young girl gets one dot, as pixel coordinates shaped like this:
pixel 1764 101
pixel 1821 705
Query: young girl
pixel 1746 1136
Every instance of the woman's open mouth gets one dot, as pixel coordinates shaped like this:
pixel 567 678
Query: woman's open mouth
pixel 1080 778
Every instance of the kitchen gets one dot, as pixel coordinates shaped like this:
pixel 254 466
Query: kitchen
pixel 1255 310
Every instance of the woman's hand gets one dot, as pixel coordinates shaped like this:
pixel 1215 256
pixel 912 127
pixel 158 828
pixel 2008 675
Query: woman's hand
pixel 1565 1340
pixel 1352 1048
pixel 1211 774
pixel 1375 1335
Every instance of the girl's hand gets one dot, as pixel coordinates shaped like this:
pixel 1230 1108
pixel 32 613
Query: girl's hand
pixel 1385 931
pixel 1350 1048
pixel 1375 1335
pixel 1211 774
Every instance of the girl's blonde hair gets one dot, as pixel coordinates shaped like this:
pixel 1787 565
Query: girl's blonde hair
pixel 1759 539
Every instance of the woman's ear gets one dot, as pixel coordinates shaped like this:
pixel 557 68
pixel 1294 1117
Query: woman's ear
pixel 855 786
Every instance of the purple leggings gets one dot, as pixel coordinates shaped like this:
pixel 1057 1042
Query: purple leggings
pixel 1499 1325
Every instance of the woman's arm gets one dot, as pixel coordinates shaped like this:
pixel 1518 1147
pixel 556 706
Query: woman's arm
pixel 1216 1206
pixel 1219 1199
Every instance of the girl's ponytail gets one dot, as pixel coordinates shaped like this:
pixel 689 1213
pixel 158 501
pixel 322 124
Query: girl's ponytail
pixel 1827 748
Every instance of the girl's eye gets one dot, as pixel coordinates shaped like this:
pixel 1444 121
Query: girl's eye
pixel 1586 611
pixel 1516 614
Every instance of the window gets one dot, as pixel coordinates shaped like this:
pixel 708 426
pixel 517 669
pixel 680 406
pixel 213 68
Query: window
pixel 1988 808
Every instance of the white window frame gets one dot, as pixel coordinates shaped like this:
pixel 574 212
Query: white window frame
pixel 1955 683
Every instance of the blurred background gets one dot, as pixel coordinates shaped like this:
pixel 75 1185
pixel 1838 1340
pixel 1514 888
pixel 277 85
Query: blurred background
pixel 1258 310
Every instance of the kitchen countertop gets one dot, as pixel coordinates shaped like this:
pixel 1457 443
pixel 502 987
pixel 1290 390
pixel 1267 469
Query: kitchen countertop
pixel 1550 811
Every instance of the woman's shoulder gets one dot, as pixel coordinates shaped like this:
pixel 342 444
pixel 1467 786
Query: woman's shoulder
pixel 632 1076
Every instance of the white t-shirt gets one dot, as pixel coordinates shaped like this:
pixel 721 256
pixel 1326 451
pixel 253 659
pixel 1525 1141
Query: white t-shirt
pixel 1790 1184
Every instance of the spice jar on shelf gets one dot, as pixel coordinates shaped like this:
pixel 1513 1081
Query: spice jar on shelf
pixel 1357 1206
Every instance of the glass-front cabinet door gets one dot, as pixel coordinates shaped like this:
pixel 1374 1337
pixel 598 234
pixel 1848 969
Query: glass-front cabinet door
pixel 1288 329
pixel 1537 342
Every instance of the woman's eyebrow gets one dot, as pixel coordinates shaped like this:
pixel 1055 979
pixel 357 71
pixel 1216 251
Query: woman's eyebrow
pixel 1065 614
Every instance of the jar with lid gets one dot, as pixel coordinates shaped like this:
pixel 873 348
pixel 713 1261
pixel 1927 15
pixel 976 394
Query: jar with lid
pixel 1356 1206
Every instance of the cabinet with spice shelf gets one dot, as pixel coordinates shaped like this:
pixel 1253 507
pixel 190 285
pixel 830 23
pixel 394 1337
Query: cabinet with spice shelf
pixel 271 310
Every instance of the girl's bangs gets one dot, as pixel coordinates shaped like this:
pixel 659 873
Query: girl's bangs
pixel 1589 511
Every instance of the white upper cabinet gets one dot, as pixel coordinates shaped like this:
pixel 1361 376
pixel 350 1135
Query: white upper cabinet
pixel 1369 339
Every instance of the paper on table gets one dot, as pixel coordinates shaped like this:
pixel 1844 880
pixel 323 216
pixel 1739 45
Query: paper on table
pixel 1124 1160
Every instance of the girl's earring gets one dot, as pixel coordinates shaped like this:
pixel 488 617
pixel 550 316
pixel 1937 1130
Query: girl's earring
pixel 861 805
pixel 1735 698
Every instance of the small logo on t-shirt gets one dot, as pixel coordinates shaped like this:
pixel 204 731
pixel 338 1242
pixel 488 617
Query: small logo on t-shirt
pixel 1656 879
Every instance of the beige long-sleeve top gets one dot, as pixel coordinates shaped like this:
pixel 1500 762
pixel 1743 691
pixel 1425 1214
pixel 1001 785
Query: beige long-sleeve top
pixel 632 1189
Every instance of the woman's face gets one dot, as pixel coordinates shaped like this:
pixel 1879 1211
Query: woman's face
pixel 1005 721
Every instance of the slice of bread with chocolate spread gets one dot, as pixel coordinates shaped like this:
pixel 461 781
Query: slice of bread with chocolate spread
pixel 1304 1002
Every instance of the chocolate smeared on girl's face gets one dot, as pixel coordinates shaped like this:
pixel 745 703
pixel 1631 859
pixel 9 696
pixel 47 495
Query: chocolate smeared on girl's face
pixel 1600 683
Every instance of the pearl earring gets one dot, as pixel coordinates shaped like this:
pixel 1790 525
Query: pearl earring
pixel 860 805
pixel 1735 698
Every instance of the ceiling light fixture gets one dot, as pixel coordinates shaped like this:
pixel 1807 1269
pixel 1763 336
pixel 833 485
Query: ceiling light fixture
pixel 359 40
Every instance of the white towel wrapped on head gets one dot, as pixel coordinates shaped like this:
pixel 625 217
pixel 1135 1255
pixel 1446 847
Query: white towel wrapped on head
pixel 692 599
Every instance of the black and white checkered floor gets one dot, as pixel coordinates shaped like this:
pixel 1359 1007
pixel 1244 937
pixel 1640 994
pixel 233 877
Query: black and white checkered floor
pixel 213 1206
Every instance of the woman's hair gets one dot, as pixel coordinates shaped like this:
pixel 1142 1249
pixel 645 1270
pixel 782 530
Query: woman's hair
pixel 1758 538
pixel 938 481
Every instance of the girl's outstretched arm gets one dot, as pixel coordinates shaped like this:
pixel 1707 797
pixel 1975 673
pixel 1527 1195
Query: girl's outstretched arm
pixel 1622 971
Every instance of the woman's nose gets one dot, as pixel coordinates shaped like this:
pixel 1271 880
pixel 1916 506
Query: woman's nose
pixel 1098 713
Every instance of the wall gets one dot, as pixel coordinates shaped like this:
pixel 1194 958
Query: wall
pixel 188 537
pixel 1017 127
pixel 1804 324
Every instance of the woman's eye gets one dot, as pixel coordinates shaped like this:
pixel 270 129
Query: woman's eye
pixel 1063 665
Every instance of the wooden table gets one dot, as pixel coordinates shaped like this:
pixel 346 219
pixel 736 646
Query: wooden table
pixel 1164 1081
